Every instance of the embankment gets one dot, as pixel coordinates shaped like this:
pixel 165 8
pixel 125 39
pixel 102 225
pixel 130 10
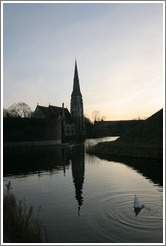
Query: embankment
pixel 143 141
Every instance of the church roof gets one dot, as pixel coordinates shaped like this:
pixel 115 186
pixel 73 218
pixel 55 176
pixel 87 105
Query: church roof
pixel 45 111
pixel 53 112
pixel 76 85
pixel 56 111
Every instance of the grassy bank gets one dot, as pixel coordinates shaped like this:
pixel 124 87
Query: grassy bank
pixel 143 141
pixel 19 226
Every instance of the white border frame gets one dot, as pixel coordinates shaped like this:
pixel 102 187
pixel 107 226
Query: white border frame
pixel 163 2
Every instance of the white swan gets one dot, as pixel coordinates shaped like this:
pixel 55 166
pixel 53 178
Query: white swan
pixel 137 203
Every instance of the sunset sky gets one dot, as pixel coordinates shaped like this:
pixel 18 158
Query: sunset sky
pixel 119 51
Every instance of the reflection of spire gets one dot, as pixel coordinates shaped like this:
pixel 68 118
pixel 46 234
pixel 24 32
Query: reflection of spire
pixel 65 157
pixel 64 169
pixel 78 169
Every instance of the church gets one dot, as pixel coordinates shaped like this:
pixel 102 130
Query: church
pixel 72 123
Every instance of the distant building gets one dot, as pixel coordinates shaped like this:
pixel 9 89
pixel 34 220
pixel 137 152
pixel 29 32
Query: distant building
pixel 116 127
pixel 73 125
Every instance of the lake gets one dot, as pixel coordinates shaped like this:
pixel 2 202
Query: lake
pixel 85 199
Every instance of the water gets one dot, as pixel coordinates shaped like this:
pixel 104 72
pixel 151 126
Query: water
pixel 85 199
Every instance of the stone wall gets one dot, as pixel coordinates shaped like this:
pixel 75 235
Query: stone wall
pixel 31 131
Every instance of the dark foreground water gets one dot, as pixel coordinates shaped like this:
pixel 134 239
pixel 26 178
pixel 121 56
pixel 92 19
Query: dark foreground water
pixel 85 199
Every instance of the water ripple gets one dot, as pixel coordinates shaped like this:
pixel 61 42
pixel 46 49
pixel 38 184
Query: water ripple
pixel 117 221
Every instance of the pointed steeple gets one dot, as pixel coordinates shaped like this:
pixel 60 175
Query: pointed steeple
pixel 76 85
pixel 76 105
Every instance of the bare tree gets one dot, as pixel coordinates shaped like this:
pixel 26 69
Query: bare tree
pixel 6 113
pixel 97 116
pixel 20 110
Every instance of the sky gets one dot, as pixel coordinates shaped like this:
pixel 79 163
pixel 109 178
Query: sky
pixel 118 47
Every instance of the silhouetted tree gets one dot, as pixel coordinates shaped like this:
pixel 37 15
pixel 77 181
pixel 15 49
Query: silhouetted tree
pixel 18 110
pixel 97 116
pixel 87 121
pixel 6 113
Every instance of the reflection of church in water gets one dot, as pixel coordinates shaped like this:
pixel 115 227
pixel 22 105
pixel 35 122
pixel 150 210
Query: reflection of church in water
pixel 77 156
pixel 49 159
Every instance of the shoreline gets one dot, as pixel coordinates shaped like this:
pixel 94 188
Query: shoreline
pixel 115 149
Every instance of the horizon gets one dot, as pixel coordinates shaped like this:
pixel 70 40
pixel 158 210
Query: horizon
pixel 123 81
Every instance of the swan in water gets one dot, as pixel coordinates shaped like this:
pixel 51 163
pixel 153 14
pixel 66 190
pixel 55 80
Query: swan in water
pixel 137 206
pixel 137 203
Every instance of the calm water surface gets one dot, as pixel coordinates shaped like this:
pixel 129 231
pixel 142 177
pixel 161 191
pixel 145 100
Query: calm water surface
pixel 85 199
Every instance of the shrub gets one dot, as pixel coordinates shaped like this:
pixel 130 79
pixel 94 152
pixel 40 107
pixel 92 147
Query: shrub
pixel 19 226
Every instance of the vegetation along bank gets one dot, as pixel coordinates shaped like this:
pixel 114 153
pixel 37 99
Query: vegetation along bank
pixel 19 225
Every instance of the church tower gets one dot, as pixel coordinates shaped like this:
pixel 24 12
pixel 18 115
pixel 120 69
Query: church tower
pixel 77 113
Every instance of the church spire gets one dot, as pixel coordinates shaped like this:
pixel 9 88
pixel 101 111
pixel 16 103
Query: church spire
pixel 76 85
pixel 77 112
